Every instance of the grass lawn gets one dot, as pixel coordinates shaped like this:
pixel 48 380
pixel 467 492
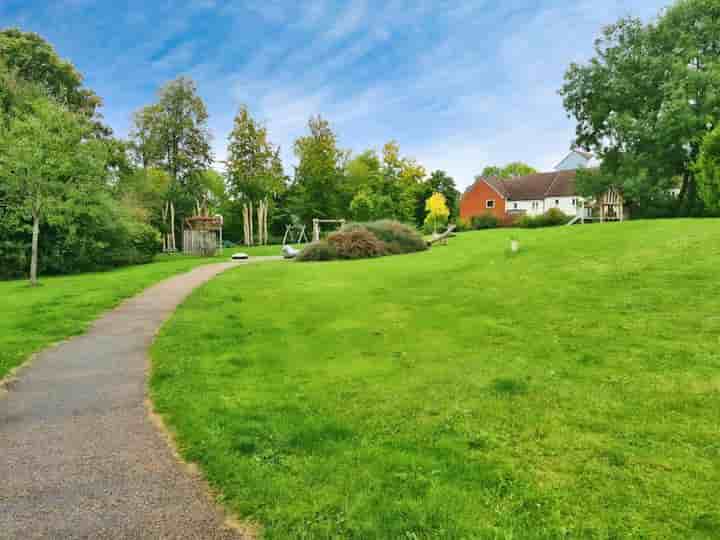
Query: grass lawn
pixel 33 318
pixel 569 391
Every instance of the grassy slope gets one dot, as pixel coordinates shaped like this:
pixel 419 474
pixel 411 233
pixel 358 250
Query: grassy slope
pixel 571 390
pixel 31 319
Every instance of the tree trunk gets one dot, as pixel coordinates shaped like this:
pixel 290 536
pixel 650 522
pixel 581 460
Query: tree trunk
pixel 265 224
pixel 172 226
pixel 165 211
pixel 262 222
pixel 247 224
pixel 34 257
pixel 258 212
pixel 250 223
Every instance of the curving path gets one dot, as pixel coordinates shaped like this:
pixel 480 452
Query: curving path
pixel 80 456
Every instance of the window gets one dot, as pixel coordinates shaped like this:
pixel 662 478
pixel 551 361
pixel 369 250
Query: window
pixel 535 205
pixel 574 202
pixel 490 204
pixel 557 202
pixel 514 206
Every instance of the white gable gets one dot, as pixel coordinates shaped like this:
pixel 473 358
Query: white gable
pixel 573 161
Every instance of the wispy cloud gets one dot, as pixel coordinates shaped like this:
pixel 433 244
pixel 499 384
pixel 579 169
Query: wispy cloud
pixel 349 21
pixel 460 84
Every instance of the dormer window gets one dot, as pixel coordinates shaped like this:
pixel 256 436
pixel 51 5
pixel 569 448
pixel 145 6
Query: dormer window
pixel 490 203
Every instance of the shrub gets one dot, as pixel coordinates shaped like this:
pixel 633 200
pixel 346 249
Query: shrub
pixel 95 233
pixel 397 237
pixel 366 240
pixel 484 221
pixel 318 251
pixel 358 243
pixel 462 225
pixel 551 218
pixel 555 216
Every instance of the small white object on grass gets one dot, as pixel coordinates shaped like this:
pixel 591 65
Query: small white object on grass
pixel 290 252
pixel 240 256
pixel 514 246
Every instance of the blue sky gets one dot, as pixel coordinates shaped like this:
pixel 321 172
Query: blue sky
pixel 459 84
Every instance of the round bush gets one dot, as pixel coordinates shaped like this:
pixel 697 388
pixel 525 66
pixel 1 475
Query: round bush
pixel 397 237
pixel 484 221
pixel 358 243
pixel 551 218
pixel 317 251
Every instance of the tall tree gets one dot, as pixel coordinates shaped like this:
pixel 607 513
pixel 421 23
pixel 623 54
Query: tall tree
pixel 254 173
pixel 45 154
pixel 318 187
pixel 173 135
pixel 146 146
pixel 647 99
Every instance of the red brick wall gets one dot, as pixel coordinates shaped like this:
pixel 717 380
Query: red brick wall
pixel 474 202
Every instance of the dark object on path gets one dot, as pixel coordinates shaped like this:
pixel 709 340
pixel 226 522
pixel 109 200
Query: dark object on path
pixel 240 257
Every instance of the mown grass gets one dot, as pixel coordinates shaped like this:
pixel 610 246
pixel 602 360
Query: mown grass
pixel 33 318
pixel 571 390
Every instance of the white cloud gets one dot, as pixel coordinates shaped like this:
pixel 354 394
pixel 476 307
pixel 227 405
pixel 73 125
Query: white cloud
pixel 177 59
pixel 351 19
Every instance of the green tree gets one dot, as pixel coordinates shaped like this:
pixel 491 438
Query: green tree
pixel 254 173
pixel 43 156
pixel 34 60
pixel 16 95
pixel 319 183
pixel 511 170
pixel 363 172
pixel 146 191
pixel 647 99
pixel 708 171
pixel 173 135
pixel 362 206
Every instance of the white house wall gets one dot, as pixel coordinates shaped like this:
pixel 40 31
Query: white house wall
pixel 531 208
pixel 567 205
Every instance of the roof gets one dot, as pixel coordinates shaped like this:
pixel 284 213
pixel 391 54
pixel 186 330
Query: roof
pixel 535 186
pixel 583 153
pixel 587 156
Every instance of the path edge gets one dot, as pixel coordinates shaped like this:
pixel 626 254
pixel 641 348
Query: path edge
pixel 248 530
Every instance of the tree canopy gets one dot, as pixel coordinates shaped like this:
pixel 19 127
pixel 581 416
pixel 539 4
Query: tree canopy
pixel 511 170
pixel 44 156
pixel 34 60
pixel 318 185
pixel 647 99
pixel 708 171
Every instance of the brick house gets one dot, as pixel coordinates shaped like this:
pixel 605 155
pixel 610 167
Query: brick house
pixel 533 195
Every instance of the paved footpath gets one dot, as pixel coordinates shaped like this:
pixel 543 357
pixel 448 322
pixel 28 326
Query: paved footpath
pixel 79 454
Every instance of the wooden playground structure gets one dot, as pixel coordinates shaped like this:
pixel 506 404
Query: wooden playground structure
pixel 318 222
pixel 203 235
pixel 610 206
pixel 295 234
